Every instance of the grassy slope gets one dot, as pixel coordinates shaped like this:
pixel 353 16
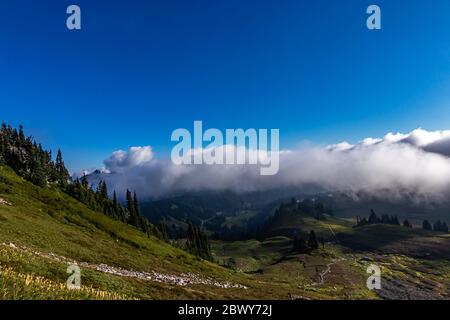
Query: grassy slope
pixel 272 261
pixel 251 255
pixel 391 239
pixel 415 263
pixel 293 223
pixel 47 220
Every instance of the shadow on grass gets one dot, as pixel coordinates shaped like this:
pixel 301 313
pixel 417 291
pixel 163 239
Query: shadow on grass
pixel 388 239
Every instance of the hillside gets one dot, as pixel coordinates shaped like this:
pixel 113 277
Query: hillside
pixel 43 230
pixel 217 215
pixel 39 226
pixel 223 214
pixel 350 204
pixel 388 239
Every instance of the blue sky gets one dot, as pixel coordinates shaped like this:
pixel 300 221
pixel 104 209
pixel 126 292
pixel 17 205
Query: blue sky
pixel 140 69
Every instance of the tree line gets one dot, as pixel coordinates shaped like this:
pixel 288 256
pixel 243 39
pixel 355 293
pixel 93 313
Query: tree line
pixel 301 245
pixel 306 207
pixel 31 161
pixel 197 243
pixel 384 219
pixel 438 226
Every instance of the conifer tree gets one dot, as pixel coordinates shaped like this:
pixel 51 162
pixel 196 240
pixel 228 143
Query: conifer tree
pixel 373 217
pixel 437 226
pixel 84 182
pixel 427 225
pixel 163 229
pixel 21 136
pixel 312 241
pixel 136 204
pixel 132 207
pixel 103 191
pixel 144 225
pixel 37 174
pixel 29 160
pixel 197 243
pixel 395 221
pixel 440 226
pixel 61 172
pixel 300 245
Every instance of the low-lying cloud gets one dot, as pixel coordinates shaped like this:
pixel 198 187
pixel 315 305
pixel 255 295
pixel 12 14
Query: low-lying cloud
pixel 415 163
pixel 121 161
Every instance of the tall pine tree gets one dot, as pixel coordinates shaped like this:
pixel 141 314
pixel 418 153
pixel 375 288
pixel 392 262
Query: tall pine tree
pixel 312 241
pixel 133 210
pixel 62 175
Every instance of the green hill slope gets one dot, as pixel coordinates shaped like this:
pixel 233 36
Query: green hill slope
pixel 43 229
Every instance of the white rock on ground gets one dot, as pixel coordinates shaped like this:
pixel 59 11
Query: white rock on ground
pixel 183 279
pixel 4 202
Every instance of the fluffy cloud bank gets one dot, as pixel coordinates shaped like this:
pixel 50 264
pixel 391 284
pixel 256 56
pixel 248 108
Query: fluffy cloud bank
pixel 396 165
pixel 121 161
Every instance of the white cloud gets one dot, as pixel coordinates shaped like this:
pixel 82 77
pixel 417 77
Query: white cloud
pixel 120 160
pixel 397 164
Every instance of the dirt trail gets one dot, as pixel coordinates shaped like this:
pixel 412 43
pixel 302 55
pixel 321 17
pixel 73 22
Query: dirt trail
pixel 327 271
pixel 324 273
pixel 183 279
